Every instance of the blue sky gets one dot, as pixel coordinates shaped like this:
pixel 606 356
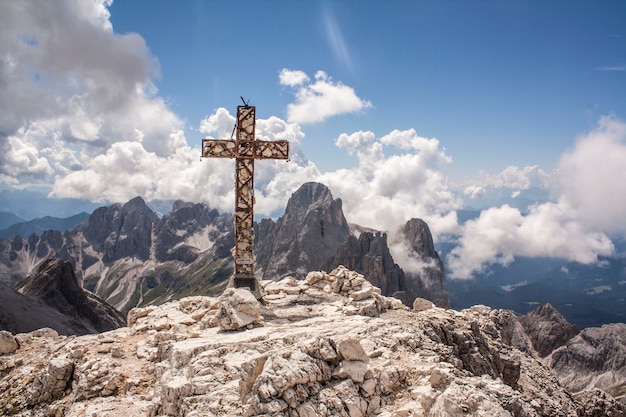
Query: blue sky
pixel 402 108
pixel 498 83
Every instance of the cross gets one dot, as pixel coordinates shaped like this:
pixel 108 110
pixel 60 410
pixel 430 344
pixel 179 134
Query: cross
pixel 245 149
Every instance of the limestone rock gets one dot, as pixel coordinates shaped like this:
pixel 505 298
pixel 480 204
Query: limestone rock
pixel 238 308
pixel 8 343
pixel 420 304
pixel 547 329
pixel 311 357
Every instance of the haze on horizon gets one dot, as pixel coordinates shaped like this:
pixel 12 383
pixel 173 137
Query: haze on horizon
pixel 403 109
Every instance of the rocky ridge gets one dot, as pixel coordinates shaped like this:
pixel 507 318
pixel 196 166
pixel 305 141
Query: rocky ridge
pixel 583 361
pixel 129 257
pixel 56 285
pixel 548 329
pixel 328 345
pixel 593 359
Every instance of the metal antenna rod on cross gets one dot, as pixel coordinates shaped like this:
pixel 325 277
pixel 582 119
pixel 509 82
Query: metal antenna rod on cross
pixel 245 149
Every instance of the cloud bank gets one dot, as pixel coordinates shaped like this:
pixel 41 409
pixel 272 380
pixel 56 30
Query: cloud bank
pixel 590 184
pixel 72 88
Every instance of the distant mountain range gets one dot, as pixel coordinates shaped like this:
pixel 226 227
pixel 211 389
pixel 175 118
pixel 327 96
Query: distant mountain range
pixel 130 257
pixel 587 295
pixel 9 219
pixel 39 225
pixel 187 251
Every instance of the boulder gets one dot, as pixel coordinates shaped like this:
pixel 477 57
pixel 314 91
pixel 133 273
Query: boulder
pixel 8 343
pixel 420 304
pixel 238 309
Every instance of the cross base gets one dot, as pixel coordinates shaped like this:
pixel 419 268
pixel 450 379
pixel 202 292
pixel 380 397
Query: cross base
pixel 245 281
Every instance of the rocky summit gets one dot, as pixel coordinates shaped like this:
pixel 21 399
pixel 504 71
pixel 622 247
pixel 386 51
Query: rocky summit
pixel 327 345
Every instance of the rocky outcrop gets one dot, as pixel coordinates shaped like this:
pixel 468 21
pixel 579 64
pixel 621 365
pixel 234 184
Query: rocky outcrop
pixel 238 309
pixel 56 286
pixel 121 231
pixel 583 361
pixel 304 238
pixel 369 255
pixel 8 343
pixel 310 354
pixel 547 329
pixel 21 314
pixel 428 282
pixel 593 359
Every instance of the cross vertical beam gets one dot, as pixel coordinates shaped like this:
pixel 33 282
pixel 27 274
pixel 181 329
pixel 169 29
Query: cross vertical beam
pixel 245 149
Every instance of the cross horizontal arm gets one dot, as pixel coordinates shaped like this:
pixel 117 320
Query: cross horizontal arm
pixel 218 148
pixel 271 149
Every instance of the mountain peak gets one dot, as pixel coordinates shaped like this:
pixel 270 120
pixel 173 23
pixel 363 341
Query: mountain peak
pixel 547 329
pixel 309 194
pixel 306 237
pixel 137 203
pixel 417 234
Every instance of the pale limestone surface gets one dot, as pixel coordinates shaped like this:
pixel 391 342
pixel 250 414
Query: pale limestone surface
pixel 315 351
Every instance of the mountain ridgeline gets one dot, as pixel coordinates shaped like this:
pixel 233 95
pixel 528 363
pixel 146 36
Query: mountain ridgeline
pixel 130 257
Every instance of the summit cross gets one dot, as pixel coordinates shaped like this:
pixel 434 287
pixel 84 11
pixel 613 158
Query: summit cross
pixel 245 149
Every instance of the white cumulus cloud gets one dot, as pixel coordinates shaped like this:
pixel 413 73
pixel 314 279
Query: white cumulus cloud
pixel 320 99
pixel 590 188
pixel 475 191
pixel 383 192
pixel 292 78
pixel 592 177
pixel 517 178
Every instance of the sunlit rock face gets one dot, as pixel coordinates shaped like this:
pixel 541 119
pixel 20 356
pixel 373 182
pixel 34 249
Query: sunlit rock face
pixel 547 329
pixel 305 237
pixel 327 345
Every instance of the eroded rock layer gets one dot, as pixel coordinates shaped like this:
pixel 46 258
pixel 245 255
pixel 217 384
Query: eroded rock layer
pixel 328 345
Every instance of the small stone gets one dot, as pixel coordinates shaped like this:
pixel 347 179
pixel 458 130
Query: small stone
pixel 8 343
pixel 352 350
pixel 355 370
pixel 421 304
